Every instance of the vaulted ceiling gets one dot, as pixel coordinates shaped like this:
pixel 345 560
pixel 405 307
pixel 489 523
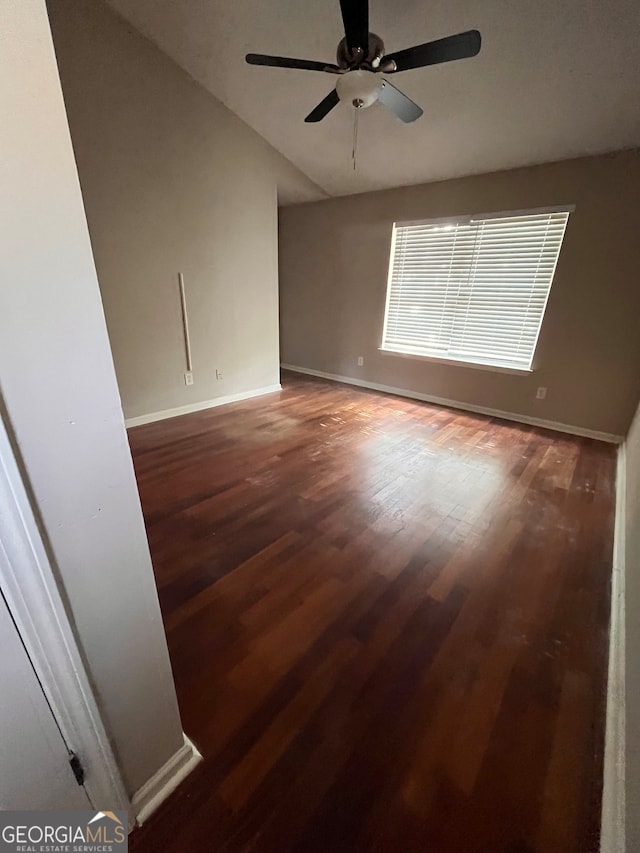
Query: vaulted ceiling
pixel 553 80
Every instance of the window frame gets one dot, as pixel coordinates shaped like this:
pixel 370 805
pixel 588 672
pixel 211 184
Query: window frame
pixel 467 219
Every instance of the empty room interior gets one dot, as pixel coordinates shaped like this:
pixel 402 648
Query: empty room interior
pixel 319 384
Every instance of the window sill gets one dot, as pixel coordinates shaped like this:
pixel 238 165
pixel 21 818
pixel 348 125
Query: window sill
pixel 475 365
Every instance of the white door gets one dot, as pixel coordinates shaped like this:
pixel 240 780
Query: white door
pixel 34 763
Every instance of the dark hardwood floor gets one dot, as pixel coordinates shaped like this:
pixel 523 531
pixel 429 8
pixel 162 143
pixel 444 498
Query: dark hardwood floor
pixel 388 625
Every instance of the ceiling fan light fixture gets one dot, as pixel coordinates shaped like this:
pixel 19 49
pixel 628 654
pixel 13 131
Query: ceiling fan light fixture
pixel 359 88
pixel 361 56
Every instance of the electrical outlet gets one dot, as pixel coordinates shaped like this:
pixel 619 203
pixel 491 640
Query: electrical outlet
pixel 188 378
pixel 360 361
pixel 219 374
pixel 541 393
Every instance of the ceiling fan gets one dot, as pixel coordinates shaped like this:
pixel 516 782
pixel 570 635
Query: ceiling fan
pixel 361 58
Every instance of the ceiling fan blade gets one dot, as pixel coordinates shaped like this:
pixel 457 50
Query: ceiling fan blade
pixel 460 46
pixel 398 103
pixel 325 106
pixel 355 16
pixel 287 62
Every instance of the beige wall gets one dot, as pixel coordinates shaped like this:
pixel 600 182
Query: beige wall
pixel 172 181
pixel 632 680
pixel 60 404
pixel 334 258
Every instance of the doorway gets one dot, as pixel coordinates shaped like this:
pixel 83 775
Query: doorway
pixel 37 767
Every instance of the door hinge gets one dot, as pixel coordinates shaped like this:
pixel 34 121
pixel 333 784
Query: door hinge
pixel 76 766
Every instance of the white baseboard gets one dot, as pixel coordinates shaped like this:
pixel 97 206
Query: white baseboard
pixel 612 837
pixel 199 407
pixel 156 790
pixel 456 404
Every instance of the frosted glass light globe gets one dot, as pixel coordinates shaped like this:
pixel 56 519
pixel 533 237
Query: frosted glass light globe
pixel 359 86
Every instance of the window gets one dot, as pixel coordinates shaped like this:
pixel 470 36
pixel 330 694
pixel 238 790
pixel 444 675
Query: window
pixel 472 289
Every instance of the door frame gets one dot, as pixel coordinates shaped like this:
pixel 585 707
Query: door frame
pixel 33 594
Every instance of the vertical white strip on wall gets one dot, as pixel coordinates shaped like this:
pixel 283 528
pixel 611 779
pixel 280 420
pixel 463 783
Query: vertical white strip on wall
pixel 185 322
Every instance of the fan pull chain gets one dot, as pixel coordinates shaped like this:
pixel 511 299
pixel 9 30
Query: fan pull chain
pixel 354 151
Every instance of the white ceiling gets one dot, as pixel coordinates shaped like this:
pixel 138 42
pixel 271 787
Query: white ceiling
pixel 555 79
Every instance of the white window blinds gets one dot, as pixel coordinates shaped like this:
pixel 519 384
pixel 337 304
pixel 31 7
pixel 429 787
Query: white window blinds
pixel 474 290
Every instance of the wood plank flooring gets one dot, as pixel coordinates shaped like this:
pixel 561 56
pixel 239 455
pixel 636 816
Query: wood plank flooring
pixel 387 622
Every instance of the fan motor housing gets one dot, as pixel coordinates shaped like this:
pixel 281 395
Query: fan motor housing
pixel 346 59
